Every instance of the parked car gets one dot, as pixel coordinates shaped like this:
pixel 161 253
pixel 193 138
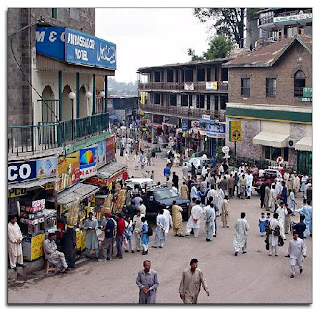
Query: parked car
pixel 269 176
pixel 199 162
pixel 142 182
pixel 162 197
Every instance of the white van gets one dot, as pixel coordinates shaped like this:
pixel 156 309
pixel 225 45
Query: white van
pixel 142 182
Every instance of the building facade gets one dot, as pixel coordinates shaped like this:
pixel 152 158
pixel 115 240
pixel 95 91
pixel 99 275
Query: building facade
pixel 186 96
pixel 270 93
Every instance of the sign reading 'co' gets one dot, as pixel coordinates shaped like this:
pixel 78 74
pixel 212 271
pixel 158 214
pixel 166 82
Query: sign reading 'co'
pixel 22 171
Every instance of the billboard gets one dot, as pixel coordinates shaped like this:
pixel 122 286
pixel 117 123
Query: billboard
pixel 47 167
pixel 216 130
pixel 22 171
pixel 235 130
pixel 101 153
pixel 88 162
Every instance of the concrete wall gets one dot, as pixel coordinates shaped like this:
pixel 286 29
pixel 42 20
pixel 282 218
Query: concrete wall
pixel 296 58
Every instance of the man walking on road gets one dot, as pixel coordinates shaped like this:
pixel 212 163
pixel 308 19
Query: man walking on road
pixel 107 243
pixel 241 236
pixel 209 216
pixel 273 237
pixel 297 251
pixel 160 231
pixel 177 219
pixel 190 284
pixel 147 281
pixel 194 220
pixel 119 237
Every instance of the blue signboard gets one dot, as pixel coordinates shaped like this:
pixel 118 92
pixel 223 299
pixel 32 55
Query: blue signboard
pixel 88 50
pixel 88 157
pixel 184 125
pixel 75 47
pixel 22 171
pixel 50 42
pixel 216 130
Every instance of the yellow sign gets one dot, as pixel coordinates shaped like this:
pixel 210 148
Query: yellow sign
pixel 81 239
pixel 235 130
pixel 143 98
pixel 37 246
pixel 17 192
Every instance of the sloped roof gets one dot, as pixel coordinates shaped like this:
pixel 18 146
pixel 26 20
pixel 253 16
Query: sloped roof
pixel 267 56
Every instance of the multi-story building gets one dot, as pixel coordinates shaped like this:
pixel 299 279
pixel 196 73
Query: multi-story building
pixel 279 23
pixel 270 94
pixel 184 95
pixel 58 124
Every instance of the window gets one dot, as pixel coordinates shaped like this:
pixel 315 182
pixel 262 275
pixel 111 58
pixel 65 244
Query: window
pixel 245 87
pixel 186 99
pixel 200 101
pixel 223 101
pixel 157 98
pixel 201 74
pixel 173 100
pixel 208 101
pixel 272 153
pixel 54 13
pixel 157 76
pixel 169 75
pixel 271 87
pixel 299 83
pixel 208 74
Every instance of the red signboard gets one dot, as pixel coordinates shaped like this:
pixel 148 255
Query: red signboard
pixel 110 152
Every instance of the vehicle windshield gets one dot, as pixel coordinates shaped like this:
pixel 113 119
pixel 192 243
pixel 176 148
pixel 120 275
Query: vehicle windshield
pixel 164 194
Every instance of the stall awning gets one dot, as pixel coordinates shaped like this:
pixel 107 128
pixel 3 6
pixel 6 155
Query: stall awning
pixel 80 190
pixel 110 170
pixel 271 139
pixel 305 144
pixel 30 184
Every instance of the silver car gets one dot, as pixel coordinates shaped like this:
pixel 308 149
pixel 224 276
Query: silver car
pixel 198 162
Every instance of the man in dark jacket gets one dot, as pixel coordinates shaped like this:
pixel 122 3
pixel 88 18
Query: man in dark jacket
pixel 262 194
pixel 70 246
pixel 284 193
pixel 175 180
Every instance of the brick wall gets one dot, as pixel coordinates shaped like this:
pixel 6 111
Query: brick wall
pixel 283 70
pixel 19 96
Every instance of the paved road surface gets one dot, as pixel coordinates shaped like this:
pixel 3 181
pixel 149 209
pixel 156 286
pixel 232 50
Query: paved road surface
pixel 249 278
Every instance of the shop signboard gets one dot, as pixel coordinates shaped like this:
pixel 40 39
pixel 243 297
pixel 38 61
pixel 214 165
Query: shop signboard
pixel 84 49
pixel 101 153
pixel 88 162
pixel 110 154
pixel 22 171
pixel 17 192
pixel 37 246
pixel 47 167
pixel 216 130
pixel 97 181
pixel 184 125
pixel 235 130
pixel 68 170
pixel 38 205
pixel 195 123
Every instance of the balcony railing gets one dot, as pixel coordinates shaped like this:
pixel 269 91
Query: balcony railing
pixel 222 86
pixel 184 112
pixel 49 135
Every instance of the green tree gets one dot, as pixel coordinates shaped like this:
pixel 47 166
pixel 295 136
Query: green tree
pixel 226 21
pixel 219 47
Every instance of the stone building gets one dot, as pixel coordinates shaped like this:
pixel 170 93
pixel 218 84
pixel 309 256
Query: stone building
pixel 269 92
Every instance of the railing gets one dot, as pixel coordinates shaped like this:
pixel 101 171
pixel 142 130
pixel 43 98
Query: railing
pixel 184 112
pixel 179 86
pixel 49 135
pixel 296 12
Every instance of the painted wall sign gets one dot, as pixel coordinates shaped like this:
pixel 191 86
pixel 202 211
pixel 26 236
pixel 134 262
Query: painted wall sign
pixel 47 167
pixel 68 170
pixel 17 192
pixel 75 47
pixel 84 49
pixel 22 171
pixel 101 153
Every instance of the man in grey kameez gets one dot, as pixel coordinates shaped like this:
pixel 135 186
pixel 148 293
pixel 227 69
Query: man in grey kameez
pixel 190 284
pixel 160 231
pixel 241 236
pixel 52 254
pixel 147 281
pixel 209 215
pixel 297 251
pixel 91 225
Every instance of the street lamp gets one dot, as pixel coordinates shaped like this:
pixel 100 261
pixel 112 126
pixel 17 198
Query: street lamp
pixel 88 96
pixel 72 96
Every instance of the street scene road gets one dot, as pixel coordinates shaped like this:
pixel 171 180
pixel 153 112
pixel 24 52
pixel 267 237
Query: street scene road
pixel 249 278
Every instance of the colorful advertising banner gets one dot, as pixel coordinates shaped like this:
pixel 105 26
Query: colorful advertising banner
pixel 47 167
pixel 68 170
pixel 216 130
pixel 212 85
pixel 101 153
pixel 88 162
pixel 235 130
pixel 110 154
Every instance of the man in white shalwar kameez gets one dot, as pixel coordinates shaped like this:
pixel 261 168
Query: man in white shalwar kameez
pixel 282 212
pixel 274 240
pixel 249 179
pixel 241 236
pixel 297 250
pixel 213 193
pixel 167 215
pixel 160 230
pixel 220 195
pixel 14 243
pixel 209 216
pixel 194 220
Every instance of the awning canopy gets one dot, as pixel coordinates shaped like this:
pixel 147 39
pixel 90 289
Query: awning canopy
pixel 271 139
pixel 110 170
pixel 80 190
pixel 305 144
pixel 30 184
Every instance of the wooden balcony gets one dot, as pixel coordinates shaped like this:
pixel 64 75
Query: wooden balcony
pixel 222 86
pixel 183 112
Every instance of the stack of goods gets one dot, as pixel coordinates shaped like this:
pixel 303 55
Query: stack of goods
pixel 73 210
pixel 33 215
pixel 121 198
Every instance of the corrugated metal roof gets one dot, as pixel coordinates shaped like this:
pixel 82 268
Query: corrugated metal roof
pixel 267 56
pixel 30 184
pixel 109 170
